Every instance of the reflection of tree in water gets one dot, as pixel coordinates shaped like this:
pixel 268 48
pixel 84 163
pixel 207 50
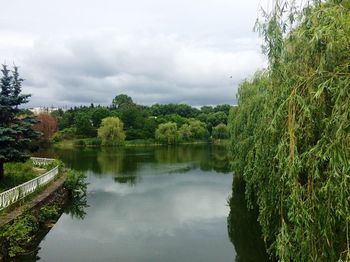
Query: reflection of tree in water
pixel 81 159
pixel 76 207
pixel 178 154
pixel 217 159
pixel 243 228
pixel 121 163
pixel 131 180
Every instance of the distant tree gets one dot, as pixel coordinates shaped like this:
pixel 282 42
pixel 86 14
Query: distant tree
pixel 150 126
pixel 198 129
pixel 167 133
pixel 111 131
pixel 207 109
pixel 220 131
pixel 174 118
pixel 98 114
pixel 67 120
pixel 223 108
pixel 84 125
pixel 15 127
pixel 216 118
pixel 47 125
pixel 131 115
pixel 185 133
pixel 121 100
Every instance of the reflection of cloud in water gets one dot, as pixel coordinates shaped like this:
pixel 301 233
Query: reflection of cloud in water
pixel 158 206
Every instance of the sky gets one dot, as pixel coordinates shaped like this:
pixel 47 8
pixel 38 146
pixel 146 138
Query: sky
pixel 156 51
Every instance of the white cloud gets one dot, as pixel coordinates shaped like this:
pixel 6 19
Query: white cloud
pixel 154 51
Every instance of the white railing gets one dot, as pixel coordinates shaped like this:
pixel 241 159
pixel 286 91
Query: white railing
pixel 16 193
pixel 39 161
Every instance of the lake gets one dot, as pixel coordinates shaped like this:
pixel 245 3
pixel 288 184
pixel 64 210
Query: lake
pixel 153 204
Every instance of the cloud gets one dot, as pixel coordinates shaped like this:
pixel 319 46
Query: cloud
pixel 159 52
pixel 152 69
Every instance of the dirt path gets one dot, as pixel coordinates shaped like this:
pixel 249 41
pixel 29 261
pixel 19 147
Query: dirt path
pixel 51 188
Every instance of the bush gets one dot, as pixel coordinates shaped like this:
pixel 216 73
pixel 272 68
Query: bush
pixel 79 142
pixel 65 134
pixel 20 233
pixel 48 213
pixel 76 183
pixel 93 142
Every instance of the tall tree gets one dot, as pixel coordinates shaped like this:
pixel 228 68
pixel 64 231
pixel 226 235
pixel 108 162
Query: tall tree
pixel 47 125
pixel 111 131
pixel 121 100
pixel 15 127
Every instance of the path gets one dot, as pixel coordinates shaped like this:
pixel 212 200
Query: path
pixel 51 188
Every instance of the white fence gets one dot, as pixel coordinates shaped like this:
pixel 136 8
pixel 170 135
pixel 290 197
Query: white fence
pixel 16 193
pixel 38 161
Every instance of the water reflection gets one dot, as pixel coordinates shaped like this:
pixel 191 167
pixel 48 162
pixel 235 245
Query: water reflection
pixel 152 204
pixel 243 229
pixel 124 163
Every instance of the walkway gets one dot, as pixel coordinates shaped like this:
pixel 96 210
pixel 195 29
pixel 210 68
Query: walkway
pixel 51 188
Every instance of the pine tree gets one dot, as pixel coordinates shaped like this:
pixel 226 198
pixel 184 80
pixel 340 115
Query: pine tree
pixel 15 127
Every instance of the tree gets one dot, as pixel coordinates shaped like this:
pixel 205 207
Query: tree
pixel 220 131
pixel 84 125
pixel 185 133
pixel 198 129
pixel 167 133
pixel 15 127
pixel 111 131
pixel 121 100
pixel 47 125
pixel 98 114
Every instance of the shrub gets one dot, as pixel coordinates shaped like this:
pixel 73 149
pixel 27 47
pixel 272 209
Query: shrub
pixel 79 142
pixel 20 233
pixel 76 183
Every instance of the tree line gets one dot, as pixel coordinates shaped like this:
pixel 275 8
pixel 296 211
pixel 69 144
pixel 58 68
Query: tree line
pixel 166 123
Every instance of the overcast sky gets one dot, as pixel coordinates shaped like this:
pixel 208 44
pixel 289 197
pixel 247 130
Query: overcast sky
pixel 156 51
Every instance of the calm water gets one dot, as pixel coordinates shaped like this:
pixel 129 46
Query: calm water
pixel 153 204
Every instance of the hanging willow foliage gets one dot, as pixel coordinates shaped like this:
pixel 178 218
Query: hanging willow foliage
pixel 291 132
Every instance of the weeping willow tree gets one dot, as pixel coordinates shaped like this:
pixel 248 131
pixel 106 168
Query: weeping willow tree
pixel 291 132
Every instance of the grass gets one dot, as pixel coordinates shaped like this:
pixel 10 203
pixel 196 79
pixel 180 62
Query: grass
pixel 18 173
pixel 95 142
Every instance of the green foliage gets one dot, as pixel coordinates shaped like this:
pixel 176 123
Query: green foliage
pixel 198 129
pixel 48 213
pixel 290 133
pixel 67 133
pixel 20 233
pixel 53 164
pixel 83 125
pixel 79 142
pixel 167 133
pixel 17 173
pixel 185 133
pixel 76 183
pixel 15 127
pixel 111 131
pixel 122 100
pixel 98 114
pixel 93 142
pixel 220 131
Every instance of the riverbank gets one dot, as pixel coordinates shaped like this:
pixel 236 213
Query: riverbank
pixel 93 142
pixel 19 226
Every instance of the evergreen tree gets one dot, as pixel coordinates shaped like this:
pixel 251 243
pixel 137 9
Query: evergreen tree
pixel 15 126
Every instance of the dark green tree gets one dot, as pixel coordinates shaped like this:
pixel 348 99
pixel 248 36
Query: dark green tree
pixel 15 127
pixel 121 100
pixel 84 125
pixel 98 114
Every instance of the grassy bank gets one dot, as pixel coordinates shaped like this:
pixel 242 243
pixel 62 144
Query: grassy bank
pixel 18 173
pixel 95 142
